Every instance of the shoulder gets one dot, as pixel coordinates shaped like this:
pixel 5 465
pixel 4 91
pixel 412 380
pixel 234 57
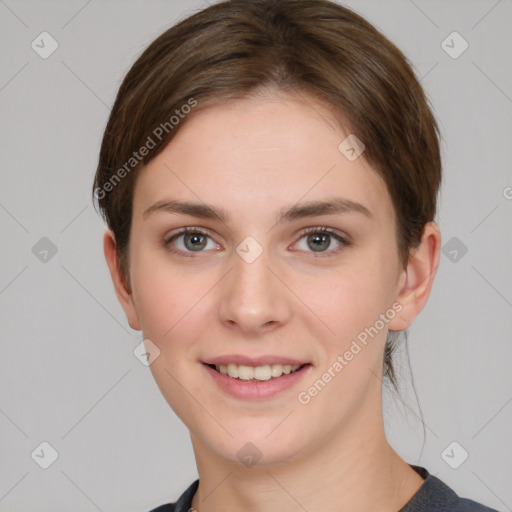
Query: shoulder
pixel 436 496
pixel 455 503
pixel 184 503
pixel 467 505
pixel 452 501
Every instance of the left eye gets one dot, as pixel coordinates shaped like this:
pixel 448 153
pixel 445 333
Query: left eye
pixel 320 240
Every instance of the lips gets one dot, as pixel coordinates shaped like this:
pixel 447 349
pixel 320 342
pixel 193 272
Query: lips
pixel 256 377
pixel 264 360
pixel 256 386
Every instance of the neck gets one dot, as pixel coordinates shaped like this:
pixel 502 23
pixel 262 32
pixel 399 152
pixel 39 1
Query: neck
pixel 353 469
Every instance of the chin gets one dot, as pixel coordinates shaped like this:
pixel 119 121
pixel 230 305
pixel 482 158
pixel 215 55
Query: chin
pixel 255 443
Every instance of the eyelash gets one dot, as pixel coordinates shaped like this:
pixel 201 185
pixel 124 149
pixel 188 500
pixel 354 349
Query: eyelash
pixel 345 242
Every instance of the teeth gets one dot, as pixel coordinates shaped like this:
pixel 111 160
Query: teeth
pixel 232 370
pixel 265 372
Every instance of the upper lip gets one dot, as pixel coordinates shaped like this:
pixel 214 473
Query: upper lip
pixel 263 360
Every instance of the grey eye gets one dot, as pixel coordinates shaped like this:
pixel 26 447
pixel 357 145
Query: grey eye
pixel 195 241
pixel 191 241
pixel 319 241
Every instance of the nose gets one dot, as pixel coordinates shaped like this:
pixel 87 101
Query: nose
pixel 253 299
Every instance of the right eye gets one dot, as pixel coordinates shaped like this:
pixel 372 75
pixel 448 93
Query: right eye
pixel 190 240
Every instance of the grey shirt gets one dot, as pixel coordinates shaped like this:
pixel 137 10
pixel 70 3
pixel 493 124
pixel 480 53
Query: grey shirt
pixel 433 496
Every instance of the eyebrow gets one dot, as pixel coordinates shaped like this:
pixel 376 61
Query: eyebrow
pixel 336 205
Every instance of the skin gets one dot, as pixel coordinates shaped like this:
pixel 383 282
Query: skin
pixel 253 157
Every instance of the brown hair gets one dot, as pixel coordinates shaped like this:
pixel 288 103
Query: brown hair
pixel 316 47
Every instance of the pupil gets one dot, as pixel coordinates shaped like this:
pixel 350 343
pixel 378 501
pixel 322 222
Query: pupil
pixel 195 242
pixel 320 241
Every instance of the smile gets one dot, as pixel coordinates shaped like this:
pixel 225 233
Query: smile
pixel 264 381
pixel 265 372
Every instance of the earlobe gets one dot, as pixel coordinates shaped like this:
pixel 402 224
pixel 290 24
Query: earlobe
pixel 123 292
pixel 417 278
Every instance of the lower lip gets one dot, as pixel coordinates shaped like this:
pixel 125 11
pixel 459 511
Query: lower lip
pixel 254 389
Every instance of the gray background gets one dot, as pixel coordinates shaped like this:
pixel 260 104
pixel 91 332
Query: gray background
pixel 67 369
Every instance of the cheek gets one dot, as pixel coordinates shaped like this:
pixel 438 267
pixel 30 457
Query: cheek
pixel 351 306
pixel 354 299
pixel 163 295
pixel 171 311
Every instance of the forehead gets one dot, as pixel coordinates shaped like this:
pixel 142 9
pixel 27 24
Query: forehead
pixel 257 154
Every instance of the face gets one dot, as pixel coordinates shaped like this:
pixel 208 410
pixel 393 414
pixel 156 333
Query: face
pixel 290 257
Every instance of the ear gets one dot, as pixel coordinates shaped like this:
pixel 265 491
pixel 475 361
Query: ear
pixel 416 279
pixel 123 292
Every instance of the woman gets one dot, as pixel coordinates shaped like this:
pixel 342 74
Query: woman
pixel 269 176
